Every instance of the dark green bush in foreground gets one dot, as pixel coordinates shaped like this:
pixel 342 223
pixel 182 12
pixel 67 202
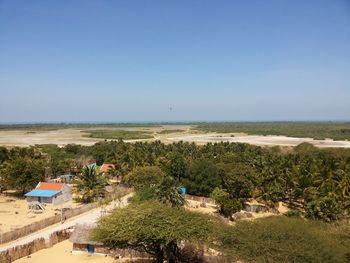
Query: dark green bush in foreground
pixel 283 239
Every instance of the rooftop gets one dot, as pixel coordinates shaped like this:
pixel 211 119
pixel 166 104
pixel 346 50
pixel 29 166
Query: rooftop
pixel 106 167
pixel 50 186
pixel 81 235
pixel 42 193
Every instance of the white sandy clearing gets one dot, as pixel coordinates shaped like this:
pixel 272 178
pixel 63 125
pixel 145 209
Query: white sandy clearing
pixel 61 252
pixel 59 137
pixel 63 137
pixel 89 217
pixel 201 207
pixel 14 212
pixel 270 140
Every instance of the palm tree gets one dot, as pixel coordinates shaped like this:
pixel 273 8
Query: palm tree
pixel 90 186
pixel 167 192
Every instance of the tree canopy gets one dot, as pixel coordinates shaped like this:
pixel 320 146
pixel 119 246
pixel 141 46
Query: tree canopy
pixel 154 228
pixel 90 185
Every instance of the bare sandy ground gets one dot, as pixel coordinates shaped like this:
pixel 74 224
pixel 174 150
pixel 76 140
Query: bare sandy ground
pixel 270 140
pixel 59 137
pixel 61 252
pixel 63 137
pixel 14 212
pixel 89 218
pixel 196 206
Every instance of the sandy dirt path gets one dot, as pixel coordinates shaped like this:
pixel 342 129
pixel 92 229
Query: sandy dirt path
pixel 89 217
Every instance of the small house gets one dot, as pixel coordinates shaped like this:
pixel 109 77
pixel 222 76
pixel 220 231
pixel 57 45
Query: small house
pixel 106 168
pixel 82 243
pixel 50 193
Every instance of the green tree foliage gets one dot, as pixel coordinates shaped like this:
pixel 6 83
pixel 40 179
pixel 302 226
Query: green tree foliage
pixel 90 186
pixel 227 205
pixel 145 177
pixel 297 176
pixel 239 180
pixel 168 192
pixel 202 178
pixel 3 154
pixel 154 228
pixel 177 167
pixel 283 239
pixel 59 161
pixel 327 209
pixel 22 173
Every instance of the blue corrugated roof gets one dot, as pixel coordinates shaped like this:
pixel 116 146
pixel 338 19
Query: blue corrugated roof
pixel 42 193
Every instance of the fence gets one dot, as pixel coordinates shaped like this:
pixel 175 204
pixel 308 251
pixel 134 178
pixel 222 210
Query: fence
pixel 201 199
pixel 33 227
pixel 20 251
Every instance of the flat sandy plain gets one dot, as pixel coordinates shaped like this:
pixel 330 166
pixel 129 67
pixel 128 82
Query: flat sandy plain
pixel 14 212
pixel 61 252
pixel 75 135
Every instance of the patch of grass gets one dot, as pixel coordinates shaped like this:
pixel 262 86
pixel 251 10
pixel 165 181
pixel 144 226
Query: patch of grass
pixel 283 239
pixel 170 131
pixel 117 134
pixel 316 130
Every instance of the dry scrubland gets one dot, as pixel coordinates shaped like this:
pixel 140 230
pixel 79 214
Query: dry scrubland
pixel 14 212
pixel 164 133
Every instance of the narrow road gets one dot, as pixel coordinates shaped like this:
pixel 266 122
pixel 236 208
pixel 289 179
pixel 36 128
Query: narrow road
pixel 89 217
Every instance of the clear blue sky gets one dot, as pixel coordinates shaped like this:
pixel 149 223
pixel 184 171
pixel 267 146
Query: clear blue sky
pixel 207 60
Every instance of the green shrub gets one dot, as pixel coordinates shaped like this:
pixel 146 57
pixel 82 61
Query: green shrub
pixel 326 209
pixel 293 213
pixel 283 239
pixel 227 205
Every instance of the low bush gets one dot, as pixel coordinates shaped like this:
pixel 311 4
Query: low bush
pixel 283 239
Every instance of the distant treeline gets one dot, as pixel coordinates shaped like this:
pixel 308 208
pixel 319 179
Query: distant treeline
pixel 56 126
pixel 316 130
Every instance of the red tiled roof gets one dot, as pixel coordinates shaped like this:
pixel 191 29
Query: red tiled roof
pixel 50 186
pixel 106 167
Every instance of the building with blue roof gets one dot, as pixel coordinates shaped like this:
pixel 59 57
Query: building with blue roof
pixel 42 193
pixel 49 193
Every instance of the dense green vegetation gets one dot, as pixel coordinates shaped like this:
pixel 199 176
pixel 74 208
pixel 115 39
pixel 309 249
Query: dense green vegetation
pixel 314 181
pixel 117 134
pixel 90 186
pixel 282 239
pixel 170 131
pixel 151 183
pixel 156 229
pixel 161 231
pixel 316 130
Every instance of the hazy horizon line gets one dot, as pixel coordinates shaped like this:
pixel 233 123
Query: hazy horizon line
pixel 168 122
